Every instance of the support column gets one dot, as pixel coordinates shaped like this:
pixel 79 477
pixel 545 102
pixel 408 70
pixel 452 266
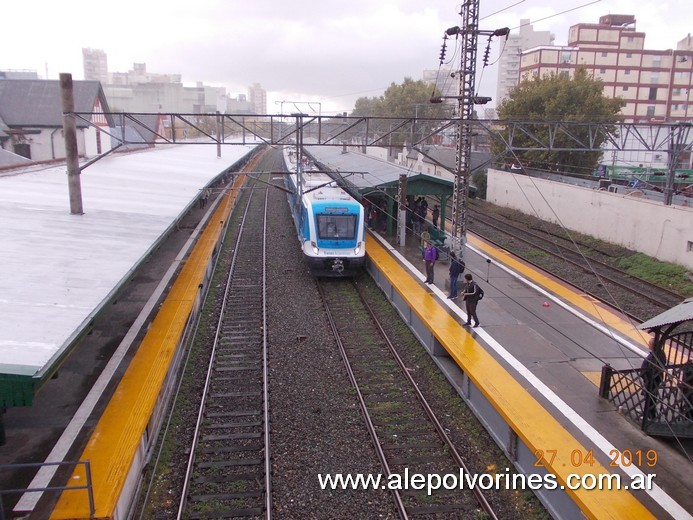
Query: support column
pixel 71 153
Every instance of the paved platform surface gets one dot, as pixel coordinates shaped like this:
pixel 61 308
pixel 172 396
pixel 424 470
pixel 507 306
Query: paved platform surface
pixel 555 340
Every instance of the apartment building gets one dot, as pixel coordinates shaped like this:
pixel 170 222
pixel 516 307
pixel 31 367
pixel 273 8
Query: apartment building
pixel 655 84
pixel 95 64
pixel 509 61
pixel 258 98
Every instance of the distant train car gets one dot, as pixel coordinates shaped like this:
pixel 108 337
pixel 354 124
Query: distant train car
pixel 330 225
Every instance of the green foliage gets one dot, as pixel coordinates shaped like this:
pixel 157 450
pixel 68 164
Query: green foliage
pixel 408 99
pixel 480 181
pixel 671 276
pixel 555 98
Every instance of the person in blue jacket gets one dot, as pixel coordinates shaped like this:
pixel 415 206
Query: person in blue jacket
pixel 456 269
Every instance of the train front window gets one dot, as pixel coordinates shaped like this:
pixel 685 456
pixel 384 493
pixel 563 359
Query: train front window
pixel 336 227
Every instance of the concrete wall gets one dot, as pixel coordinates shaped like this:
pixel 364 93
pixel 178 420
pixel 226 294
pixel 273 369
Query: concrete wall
pixel 663 232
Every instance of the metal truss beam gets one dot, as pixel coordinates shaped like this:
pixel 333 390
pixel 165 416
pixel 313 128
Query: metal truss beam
pixel 371 131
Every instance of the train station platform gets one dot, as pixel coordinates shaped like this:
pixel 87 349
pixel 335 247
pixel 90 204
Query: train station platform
pixel 552 340
pixel 548 340
pixel 73 285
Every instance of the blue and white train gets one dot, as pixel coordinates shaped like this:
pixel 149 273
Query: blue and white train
pixel 329 222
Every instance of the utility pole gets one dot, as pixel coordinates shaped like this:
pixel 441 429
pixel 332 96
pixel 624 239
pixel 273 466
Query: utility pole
pixel 678 139
pixel 299 158
pixel 468 32
pixel 71 154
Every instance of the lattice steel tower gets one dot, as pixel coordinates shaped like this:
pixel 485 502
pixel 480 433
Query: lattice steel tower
pixel 468 33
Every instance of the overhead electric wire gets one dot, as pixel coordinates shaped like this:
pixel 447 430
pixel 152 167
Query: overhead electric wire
pixel 596 308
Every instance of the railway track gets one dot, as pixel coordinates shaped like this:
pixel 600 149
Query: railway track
pixel 228 469
pixel 405 431
pixel 637 297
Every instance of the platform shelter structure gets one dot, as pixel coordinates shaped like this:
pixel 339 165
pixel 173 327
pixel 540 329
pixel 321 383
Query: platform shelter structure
pixel 658 396
pixel 377 181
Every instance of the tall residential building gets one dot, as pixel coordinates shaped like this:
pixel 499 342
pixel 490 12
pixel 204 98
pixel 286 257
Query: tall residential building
pixel 258 98
pixel 509 62
pixel 95 65
pixel 655 84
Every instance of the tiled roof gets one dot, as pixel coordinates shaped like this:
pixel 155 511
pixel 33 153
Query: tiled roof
pixel 30 102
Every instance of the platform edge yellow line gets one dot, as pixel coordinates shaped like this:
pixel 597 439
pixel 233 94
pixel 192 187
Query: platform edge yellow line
pixel 510 399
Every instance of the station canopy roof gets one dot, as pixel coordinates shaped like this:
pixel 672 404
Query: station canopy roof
pixel 366 173
pixel 682 312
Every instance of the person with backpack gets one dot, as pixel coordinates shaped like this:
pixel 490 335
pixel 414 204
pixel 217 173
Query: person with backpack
pixel 430 257
pixel 456 269
pixel 472 294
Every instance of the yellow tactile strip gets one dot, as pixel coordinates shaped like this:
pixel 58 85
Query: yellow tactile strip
pixel 113 444
pixel 519 409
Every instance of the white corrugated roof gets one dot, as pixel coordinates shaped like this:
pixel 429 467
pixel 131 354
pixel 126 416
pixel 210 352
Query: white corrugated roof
pixel 58 267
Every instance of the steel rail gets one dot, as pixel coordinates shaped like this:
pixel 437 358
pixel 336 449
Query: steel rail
pixel 582 266
pixel 399 504
pixel 427 408
pixel 265 370
pixel 210 369
pixel 591 259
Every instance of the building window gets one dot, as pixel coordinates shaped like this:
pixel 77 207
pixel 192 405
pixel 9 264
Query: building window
pixel 564 73
pixel 605 54
pixel 653 94
pixel 602 71
pixel 650 110
pixel 625 89
pixel 689 246
pixel 654 78
pixel 677 91
pixel 23 149
pixel 629 55
pixel 627 72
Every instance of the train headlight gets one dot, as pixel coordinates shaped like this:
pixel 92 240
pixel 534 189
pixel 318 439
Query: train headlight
pixel 358 248
pixel 316 250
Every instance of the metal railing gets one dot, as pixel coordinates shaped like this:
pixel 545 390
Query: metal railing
pixel 87 485
pixel 665 410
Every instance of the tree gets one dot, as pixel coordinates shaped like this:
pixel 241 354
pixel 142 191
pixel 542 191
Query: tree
pixel 558 98
pixel 409 99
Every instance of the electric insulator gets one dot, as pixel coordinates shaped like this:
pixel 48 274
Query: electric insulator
pixel 442 50
pixel 487 53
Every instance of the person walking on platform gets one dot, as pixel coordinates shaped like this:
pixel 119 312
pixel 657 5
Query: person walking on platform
pixel 471 298
pixel 456 268
pixel 434 215
pixel 430 257
pixel 652 375
pixel 204 197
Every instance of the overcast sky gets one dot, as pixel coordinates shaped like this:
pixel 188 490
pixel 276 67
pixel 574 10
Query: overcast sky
pixel 319 51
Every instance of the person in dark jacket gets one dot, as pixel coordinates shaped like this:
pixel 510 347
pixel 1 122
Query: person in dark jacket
pixel 471 298
pixel 456 268
pixel 434 215
pixel 652 375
